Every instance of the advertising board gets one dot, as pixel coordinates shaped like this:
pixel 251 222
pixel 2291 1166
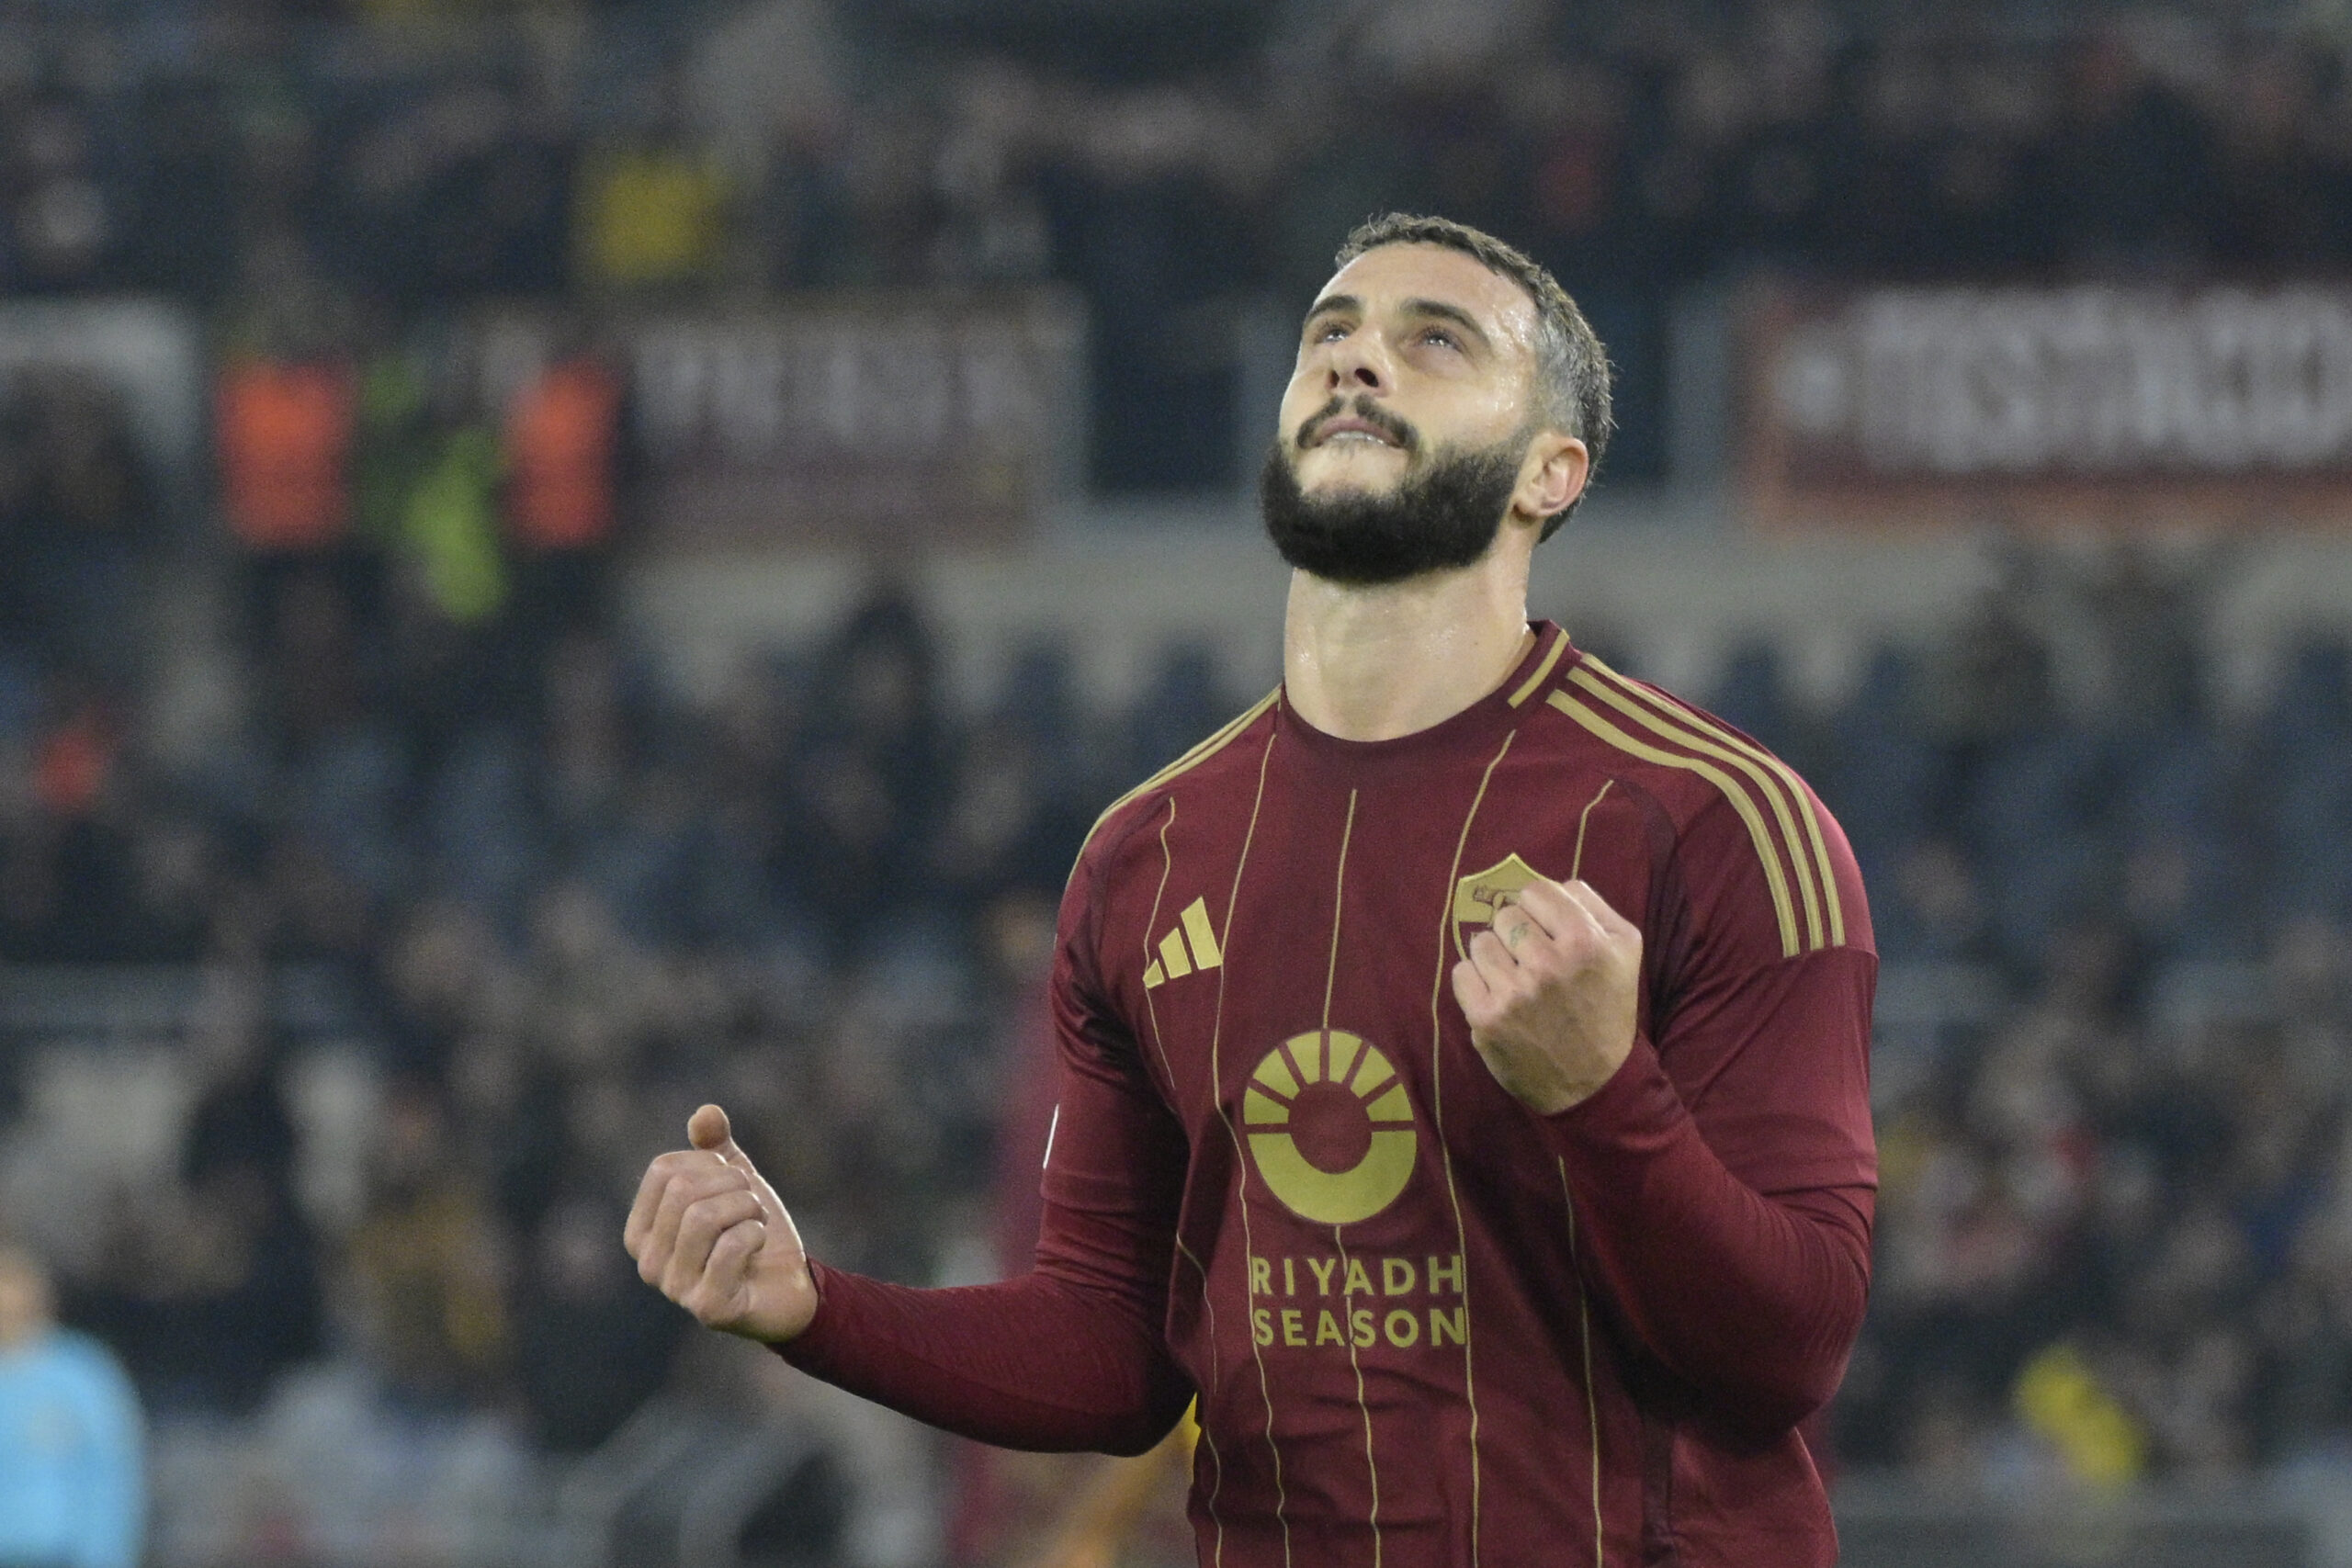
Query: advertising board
pixel 2035 405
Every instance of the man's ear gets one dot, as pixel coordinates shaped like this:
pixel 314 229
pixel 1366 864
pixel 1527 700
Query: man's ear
pixel 1552 476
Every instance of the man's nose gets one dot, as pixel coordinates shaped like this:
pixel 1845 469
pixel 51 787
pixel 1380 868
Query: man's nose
pixel 1358 365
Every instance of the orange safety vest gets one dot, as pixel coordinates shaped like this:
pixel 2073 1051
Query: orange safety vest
pixel 285 434
pixel 560 435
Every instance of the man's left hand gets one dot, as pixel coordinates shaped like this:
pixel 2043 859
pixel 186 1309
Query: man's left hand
pixel 1551 991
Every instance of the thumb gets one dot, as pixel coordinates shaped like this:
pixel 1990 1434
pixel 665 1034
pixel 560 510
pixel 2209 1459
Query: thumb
pixel 707 1130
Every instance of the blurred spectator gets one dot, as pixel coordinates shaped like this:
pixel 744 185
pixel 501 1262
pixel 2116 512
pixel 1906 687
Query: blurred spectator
pixel 285 433
pixel 464 192
pixel 1004 827
pixel 426 1264
pixel 2306 793
pixel 590 1341
pixel 2130 167
pixel 66 874
pixel 562 501
pixel 448 544
pixel 871 772
pixel 211 1281
pixel 60 222
pixel 71 1486
pixel 259 1310
pixel 651 212
pixel 77 522
pixel 1182 704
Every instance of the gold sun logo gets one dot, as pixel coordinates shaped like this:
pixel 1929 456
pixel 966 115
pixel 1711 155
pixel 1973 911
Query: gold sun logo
pixel 1332 1127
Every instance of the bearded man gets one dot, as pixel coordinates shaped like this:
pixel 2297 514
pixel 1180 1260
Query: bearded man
pixel 1463 1052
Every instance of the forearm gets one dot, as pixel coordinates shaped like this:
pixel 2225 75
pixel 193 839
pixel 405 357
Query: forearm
pixel 1754 1301
pixel 1041 1362
pixel 1072 1356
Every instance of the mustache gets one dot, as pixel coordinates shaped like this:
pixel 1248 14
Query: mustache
pixel 1370 413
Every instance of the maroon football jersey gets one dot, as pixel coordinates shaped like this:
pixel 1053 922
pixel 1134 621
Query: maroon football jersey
pixel 1427 1326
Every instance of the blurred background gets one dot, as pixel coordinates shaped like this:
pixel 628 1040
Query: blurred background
pixel 562 560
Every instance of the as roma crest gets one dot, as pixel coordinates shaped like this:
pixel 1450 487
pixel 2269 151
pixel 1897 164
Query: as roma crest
pixel 1478 895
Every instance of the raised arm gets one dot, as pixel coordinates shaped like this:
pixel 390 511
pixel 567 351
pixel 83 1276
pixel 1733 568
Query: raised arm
pixel 1068 1357
pixel 1723 1226
pixel 1071 1355
pixel 1724 1207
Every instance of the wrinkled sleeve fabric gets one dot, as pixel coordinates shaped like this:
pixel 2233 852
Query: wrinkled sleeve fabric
pixel 1725 1179
pixel 1072 1356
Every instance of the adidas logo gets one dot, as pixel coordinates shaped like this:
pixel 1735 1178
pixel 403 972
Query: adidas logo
pixel 1177 959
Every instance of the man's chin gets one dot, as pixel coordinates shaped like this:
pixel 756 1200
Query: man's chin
pixel 1345 530
pixel 1371 475
pixel 1334 495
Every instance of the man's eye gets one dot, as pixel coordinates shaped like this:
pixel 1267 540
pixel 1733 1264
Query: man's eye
pixel 1330 333
pixel 1441 337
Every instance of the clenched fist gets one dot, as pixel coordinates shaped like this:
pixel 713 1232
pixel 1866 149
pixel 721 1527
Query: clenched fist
pixel 709 1232
pixel 1551 991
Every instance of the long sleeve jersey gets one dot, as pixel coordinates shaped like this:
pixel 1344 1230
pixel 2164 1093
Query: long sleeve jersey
pixel 1426 1324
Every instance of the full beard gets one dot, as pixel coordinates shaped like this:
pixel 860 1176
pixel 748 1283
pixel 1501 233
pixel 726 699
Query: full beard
pixel 1444 517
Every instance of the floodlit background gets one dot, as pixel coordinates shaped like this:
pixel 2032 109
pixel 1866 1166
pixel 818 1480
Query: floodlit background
pixel 560 561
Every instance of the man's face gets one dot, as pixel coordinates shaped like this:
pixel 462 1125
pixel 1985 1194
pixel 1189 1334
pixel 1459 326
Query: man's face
pixel 1406 421
pixel 1423 335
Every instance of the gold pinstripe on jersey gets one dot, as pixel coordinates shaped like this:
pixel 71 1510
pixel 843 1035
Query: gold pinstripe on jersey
pixel 1584 1303
pixel 1193 759
pixel 1208 1296
pixel 1330 982
pixel 1445 1149
pixel 1224 1116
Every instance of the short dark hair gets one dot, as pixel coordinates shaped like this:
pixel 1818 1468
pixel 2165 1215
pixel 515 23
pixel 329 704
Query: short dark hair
pixel 1571 366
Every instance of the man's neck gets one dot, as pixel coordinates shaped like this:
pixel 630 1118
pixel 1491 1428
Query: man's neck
pixel 1375 663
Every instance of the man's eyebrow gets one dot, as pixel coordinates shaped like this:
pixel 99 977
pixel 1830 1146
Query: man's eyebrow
pixel 1443 312
pixel 1437 310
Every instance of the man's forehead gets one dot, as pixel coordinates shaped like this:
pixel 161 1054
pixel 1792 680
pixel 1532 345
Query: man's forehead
pixel 1390 274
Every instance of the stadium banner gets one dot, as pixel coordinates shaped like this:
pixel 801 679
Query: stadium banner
pixel 877 417
pixel 2096 404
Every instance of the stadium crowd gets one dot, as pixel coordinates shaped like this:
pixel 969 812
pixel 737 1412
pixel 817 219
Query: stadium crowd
pixel 1171 165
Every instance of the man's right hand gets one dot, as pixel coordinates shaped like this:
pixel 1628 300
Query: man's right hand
pixel 711 1234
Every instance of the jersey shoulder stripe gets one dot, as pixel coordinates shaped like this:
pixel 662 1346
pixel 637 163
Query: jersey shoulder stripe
pixel 1542 671
pixel 1809 850
pixel 1776 785
pixel 1201 752
pixel 1734 790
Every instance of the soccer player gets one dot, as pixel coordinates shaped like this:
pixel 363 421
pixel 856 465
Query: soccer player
pixel 1463 1052
pixel 72 1490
